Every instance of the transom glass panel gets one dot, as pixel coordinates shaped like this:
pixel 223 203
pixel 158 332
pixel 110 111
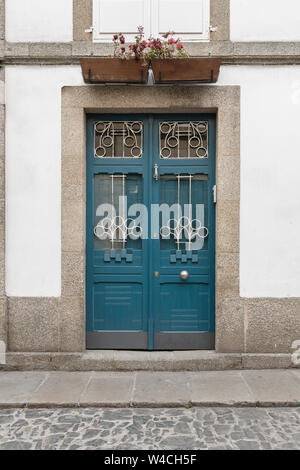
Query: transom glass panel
pixel 118 139
pixel 183 139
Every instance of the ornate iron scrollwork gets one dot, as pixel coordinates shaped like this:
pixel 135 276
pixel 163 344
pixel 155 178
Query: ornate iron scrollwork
pixel 184 139
pixel 118 139
pixel 118 229
pixel 184 227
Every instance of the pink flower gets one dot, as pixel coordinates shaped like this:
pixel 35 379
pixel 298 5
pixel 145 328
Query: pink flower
pixel 157 44
pixel 152 47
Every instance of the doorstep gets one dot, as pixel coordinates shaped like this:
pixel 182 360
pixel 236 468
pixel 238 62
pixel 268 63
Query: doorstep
pixel 247 388
pixel 144 361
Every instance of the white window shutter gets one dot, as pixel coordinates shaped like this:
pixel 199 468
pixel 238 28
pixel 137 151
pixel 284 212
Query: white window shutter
pixel 189 19
pixel 120 16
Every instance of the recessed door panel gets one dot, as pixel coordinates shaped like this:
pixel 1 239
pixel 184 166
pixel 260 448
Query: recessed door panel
pixel 184 308
pixel 118 306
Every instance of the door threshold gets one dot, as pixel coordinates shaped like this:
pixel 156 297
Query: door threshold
pixel 165 360
pixel 122 361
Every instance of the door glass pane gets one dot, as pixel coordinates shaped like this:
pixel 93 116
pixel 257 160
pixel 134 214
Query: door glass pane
pixel 118 139
pixel 117 211
pixel 183 139
pixel 184 212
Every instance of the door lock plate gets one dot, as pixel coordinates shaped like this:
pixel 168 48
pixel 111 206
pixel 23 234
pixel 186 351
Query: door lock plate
pixel 215 194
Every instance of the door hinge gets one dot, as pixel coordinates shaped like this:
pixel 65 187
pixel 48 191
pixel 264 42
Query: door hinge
pixel 215 193
pixel 89 30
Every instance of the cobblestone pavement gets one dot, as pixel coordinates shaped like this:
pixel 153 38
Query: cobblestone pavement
pixel 150 429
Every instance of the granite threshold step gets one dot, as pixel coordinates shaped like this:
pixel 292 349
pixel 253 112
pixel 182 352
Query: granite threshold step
pixel 144 361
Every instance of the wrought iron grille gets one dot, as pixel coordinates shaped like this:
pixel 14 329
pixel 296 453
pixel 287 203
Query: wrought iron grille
pixel 115 229
pixel 187 225
pixel 183 139
pixel 118 139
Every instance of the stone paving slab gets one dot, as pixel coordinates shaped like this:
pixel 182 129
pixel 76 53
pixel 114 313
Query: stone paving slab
pixel 270 387
pixel 150 389
pixel 108 389
pixel 60 389
pixel 219 388
pixel 16 388
pixel 161 389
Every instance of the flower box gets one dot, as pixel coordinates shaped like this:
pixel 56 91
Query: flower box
pixel 113 70
pixel 204 70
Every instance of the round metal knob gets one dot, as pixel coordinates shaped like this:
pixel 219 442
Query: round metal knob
pixel 184 275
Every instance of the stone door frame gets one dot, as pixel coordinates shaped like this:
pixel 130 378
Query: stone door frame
pixel 224 101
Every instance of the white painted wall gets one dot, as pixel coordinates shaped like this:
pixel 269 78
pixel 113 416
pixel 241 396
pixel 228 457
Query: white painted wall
pixel 33 178
pixel 270 168
pixel 265 20
pixel 39 20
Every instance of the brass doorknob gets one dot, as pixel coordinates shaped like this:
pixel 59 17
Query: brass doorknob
pixel 184 275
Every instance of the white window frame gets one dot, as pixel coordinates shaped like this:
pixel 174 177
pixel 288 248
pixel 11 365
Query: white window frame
pixel 185 36
pixel 151 24
pixel 107 37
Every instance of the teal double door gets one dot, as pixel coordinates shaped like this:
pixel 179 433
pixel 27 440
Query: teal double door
pixel 150 237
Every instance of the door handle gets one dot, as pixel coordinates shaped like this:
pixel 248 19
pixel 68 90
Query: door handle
pixel 184 275
pixel 155 176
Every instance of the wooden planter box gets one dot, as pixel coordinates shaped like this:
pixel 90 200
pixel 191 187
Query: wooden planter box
pixel 186 70
pixel 110 70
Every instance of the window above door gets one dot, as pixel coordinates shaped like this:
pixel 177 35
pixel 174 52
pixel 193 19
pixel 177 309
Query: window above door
pixel 189 19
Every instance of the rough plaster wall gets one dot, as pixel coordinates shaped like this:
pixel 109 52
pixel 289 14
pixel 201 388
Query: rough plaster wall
pixel 33 172
pixel 264 20
pixel 39 20
pixel 270 166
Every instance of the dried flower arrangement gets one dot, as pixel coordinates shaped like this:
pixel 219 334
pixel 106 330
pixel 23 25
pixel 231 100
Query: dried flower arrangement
pixel 160 55
pixel 167 47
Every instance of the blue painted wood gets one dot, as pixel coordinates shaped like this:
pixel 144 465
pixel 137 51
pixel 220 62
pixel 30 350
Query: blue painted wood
pixel 116 279
pixel 122 293
pixel 186 306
